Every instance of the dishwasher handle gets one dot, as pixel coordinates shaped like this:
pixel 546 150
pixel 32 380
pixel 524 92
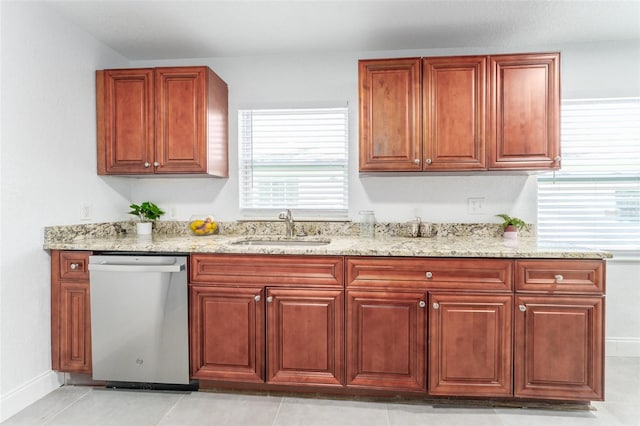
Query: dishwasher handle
pixel 114 267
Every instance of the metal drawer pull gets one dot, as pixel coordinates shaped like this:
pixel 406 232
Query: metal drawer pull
pixel 422 304
pixel 428 275
pixel 269 299
pixel 436 305
pixel 74 266
pixel 256 298
pixel 559 278
pixel 522 308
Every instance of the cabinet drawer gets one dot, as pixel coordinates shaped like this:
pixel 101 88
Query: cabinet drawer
pixel 560 276
pixel 475 274
pixel 243 270
pixel 74 265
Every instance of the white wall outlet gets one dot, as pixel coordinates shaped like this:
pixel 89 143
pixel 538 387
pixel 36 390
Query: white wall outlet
pixel 475 205
pixel 85 211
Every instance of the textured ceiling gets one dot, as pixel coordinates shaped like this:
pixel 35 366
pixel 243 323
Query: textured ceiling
pixel 184 29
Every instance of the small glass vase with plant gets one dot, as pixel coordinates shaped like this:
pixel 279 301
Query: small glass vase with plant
pixel 511 226
pixel 147 212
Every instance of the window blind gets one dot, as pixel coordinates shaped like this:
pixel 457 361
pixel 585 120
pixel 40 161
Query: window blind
pixel 594 200
pixel 295 159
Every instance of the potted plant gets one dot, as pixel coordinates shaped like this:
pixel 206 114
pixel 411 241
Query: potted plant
pixel 511 226
pixel 147 212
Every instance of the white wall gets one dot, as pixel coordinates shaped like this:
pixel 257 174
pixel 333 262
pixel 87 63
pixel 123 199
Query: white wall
pixel 331 79
pixel 605 69
pixel 622 327
pixel 47 170
pixel 47 163
pixel 593 70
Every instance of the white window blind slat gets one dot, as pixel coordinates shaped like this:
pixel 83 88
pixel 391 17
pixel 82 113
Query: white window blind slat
pixel 594 201
pixel 295 159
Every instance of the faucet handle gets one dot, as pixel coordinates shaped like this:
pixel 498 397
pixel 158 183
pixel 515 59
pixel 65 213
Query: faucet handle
pixel 286 214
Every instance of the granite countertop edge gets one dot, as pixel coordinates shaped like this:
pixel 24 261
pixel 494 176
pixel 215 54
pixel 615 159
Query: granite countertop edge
pixel 449 246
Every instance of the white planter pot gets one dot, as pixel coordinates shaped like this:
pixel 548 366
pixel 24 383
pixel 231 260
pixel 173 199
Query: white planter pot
pixel 144 228
pixel 510 235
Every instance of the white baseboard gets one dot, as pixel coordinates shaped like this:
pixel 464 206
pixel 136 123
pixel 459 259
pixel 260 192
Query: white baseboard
pixel 28 393
pixel 622 346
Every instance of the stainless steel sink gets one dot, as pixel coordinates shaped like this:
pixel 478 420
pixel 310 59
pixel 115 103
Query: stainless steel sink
pixel 265 242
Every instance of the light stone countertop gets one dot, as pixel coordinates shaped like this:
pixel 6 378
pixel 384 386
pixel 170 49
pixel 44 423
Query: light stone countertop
pixel 474 246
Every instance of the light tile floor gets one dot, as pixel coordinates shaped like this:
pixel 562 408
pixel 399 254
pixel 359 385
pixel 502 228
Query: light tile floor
pixel 86 406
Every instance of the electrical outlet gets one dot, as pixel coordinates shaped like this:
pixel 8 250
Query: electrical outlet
pixel 85 211
pixel 475 205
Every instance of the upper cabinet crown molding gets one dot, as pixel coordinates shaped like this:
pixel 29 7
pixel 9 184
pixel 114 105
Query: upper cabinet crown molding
pixel 460 113
pixel 171 120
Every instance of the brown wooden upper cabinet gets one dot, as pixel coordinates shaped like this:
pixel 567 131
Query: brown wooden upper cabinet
pixel 171 120
pixel 524 129
pixel 389 126
pixel 460 113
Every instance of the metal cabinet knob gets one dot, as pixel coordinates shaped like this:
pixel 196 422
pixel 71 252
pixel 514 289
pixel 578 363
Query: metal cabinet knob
pixel 436 305
pixel 147 164
pixel 74 266
pixel 156 164
pixel 269 299
pixel 557 159
pixel 428 161
pixel 256 298
pixel 417 161
pixel 559 278
pixel 422 303
pixel 429 275
pixel 522 308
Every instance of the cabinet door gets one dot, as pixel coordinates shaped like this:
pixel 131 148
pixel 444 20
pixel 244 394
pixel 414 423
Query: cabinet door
pixel 559 349
pixel 386 346
pixel 524 131
pixel 181 117
pixel 75 327
pixel 454 113
pixel 227 333
pixel 389 115
pixel 125 117
pixel 470 345
pixel 305 333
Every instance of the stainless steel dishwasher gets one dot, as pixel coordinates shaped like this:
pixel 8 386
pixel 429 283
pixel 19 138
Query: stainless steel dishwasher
pixel 139 328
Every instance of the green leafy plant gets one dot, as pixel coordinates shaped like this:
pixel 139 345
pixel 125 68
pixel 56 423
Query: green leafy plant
pixel 511 221
pixel 146 211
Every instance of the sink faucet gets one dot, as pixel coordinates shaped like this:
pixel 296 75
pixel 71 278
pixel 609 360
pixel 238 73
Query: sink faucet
pixel 288 220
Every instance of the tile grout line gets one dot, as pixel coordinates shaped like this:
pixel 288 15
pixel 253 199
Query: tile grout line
pixel 164 416
pixel 66 407
pixel 275 419
pixel 386 406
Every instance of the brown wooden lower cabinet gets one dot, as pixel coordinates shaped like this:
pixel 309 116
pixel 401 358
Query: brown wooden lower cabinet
pixel 559 347
pixel 75 332
pixel 409 326
pixel 386 347
pixel 470 344
pixel 226 333
pixel 303 337
pixel 70 312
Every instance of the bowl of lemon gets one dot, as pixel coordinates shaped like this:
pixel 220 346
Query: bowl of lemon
pixel 203 225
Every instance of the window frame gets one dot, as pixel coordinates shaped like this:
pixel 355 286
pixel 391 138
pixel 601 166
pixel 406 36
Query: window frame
pixel 249 166
pixel 599 179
